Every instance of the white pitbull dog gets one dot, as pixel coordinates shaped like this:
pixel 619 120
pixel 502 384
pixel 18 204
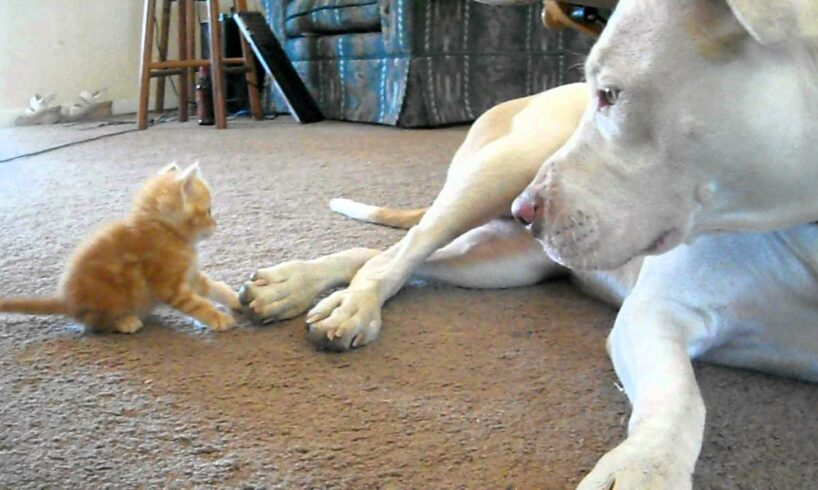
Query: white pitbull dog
pixel 699 117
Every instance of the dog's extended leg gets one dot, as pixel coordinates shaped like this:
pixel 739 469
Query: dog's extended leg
pixel 481 188
pixel 498 173
pixel 498 254
pixel 286 290
pixel 500 156
pixel 649 347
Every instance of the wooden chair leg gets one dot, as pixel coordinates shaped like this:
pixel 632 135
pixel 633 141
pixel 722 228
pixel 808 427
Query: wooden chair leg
pixel 216 67
pixel 145 64
pixel 183 55
pixel 251 75
pixel 162 47
pixel 190 16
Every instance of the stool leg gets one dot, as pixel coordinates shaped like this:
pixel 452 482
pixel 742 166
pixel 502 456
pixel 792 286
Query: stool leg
pixel 145 64
pixel 190 16
pixel 249 63
pixel 183 55
pixel 216 68
pixel 162 47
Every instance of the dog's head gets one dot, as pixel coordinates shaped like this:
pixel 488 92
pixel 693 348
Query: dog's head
pixel 701 117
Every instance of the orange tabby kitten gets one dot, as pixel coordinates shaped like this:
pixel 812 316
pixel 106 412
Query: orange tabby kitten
pixel 120 273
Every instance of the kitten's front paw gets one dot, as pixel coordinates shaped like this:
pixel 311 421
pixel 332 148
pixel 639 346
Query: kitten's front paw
pixel 225 295
pixel 232 301
pixel 221 322
pixel 128 324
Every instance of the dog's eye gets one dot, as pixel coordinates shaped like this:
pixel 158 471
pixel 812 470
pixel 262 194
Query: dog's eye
pixel 607 97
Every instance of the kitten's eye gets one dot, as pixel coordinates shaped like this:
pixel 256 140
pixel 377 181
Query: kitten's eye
pixel 208 212
pixel 607 97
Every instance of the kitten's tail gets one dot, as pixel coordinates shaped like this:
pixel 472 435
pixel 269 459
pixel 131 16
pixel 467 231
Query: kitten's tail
pixel 33 306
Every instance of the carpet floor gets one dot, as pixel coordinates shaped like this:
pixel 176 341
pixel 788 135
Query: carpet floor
pixel 463 389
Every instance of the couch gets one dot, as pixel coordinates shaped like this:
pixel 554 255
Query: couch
pixel 420 63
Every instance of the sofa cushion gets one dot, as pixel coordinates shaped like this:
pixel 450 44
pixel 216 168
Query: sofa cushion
pixel 340 46
pixel 317 17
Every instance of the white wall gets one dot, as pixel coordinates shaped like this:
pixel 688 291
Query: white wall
pixel 65 46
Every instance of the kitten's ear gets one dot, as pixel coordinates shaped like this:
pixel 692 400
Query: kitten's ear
pixel 169 168
pixel 188 176
pixel 191 172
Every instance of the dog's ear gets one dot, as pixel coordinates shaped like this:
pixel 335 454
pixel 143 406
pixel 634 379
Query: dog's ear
pixel 777 22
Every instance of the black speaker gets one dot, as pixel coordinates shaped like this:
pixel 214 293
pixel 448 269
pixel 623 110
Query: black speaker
pixel 235 83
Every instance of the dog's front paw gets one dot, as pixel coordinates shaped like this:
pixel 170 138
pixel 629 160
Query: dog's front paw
pixel 282 292
pixel 639 467
pixel 345 319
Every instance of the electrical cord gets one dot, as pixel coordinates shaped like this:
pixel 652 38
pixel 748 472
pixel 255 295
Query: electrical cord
pixel 162 118
pixel 66 145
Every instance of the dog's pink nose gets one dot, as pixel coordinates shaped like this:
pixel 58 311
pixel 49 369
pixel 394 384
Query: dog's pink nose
pixel 525 207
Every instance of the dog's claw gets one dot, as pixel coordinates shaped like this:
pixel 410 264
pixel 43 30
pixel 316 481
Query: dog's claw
pixel 245 296
pixel 345 320
pixel 319 339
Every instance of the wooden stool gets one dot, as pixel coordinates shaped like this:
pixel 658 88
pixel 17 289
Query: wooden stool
pixel 186 62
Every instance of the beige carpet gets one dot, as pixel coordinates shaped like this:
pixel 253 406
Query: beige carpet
pixel 464 389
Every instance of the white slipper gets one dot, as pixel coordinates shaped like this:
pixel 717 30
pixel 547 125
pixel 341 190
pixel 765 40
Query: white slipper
pixel 88 106
pixel 39 111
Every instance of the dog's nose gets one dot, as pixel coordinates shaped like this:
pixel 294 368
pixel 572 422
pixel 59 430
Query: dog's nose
pixel 526 207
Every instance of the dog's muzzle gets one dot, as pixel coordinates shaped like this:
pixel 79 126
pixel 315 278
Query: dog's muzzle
pixel 570 236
